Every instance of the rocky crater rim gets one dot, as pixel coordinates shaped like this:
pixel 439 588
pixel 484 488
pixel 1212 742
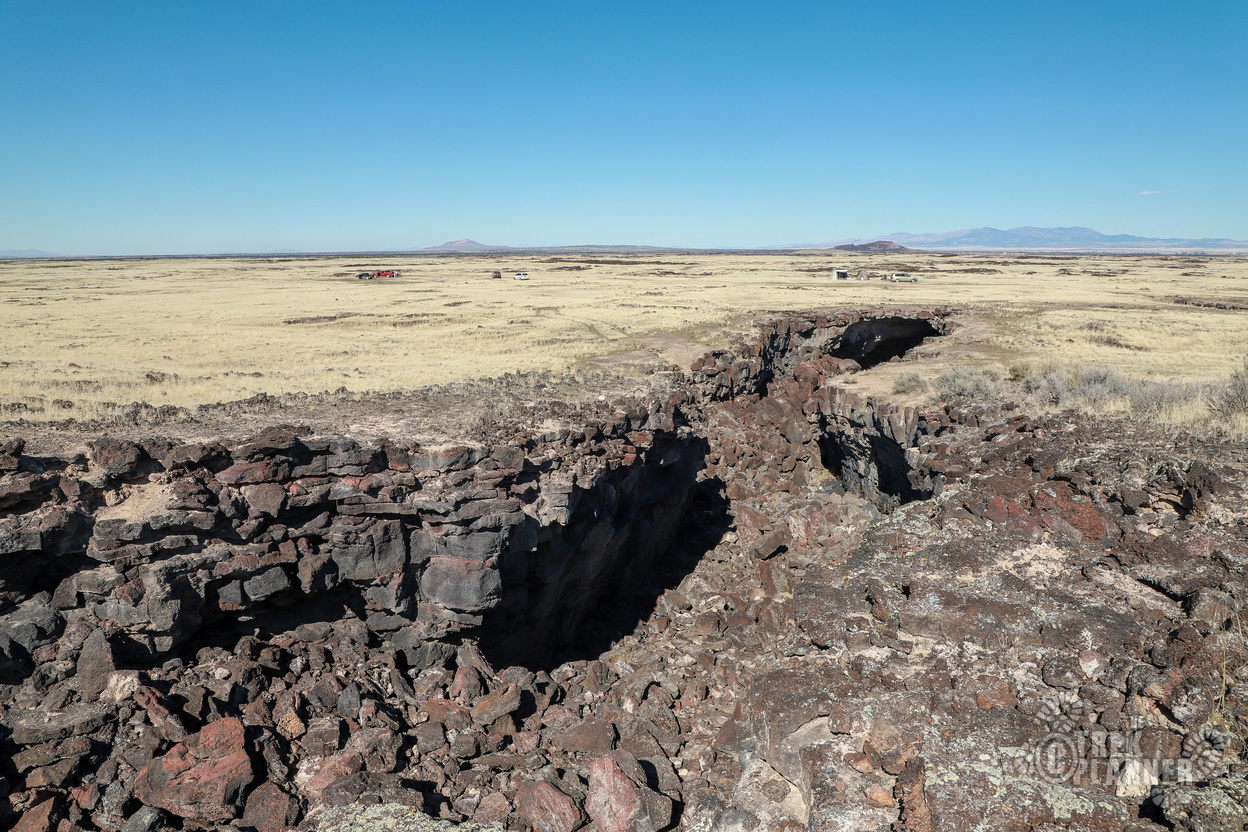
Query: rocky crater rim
pixel 196 634
pixel 514 538
pixel 758 600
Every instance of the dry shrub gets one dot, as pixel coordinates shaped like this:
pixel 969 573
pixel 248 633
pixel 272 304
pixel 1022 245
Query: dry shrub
pixel 962 382
pixel 1047 384
pixel 909 383
pixel 1160 401
pixel 1098 385
pixel 1093 386
pixel 1229 399
pixel 1219 409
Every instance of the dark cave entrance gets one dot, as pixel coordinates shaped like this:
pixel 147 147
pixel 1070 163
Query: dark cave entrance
pixel 875 341
pixel 571 590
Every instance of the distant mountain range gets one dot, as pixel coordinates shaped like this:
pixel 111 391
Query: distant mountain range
pixel 1024 238
pixel 1027 237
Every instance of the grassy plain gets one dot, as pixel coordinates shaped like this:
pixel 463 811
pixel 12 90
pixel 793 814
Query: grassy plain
pixel 80 335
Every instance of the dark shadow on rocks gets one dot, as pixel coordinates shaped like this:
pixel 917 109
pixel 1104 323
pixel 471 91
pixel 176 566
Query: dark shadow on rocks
pixel 872 467
pixel 877 340
pixel 629 604
pixel 572 589
pixel 311 618
pixel 1151 811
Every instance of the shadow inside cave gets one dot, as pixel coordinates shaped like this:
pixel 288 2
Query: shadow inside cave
pixel 628 604
pixel 600 575
pixel 878 340
pixel 873 467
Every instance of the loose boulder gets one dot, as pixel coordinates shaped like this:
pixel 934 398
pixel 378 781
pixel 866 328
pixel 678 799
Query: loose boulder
pixel 204 779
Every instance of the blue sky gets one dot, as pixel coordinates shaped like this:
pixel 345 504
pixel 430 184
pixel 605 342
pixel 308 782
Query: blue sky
pixel 179 127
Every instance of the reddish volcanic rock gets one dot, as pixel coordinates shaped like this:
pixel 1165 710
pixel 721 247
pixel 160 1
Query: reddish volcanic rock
pixel 547 808
pixel 265 498
pixel 317 775
pixel 493 808
pixel 496 705
pixel 204 778
pixel 117 457
pixel 592 736
pixel 915 816
pixel 620 801
pixel 42 818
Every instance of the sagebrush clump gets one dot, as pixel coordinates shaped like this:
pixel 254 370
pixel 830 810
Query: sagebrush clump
pixel 1219 408
pixel 1093 386
pixel 962 382
pixel 909 383
pixel 1096 385
pixel 1158 401
pixel 1229 399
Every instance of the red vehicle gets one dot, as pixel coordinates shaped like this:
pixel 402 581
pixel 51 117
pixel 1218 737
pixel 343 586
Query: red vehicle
pixel 384 273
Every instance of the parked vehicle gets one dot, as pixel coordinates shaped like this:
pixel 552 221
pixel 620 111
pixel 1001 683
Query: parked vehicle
pixel 496 275
pixel 521 276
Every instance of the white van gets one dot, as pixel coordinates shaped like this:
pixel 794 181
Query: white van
pixel 521 276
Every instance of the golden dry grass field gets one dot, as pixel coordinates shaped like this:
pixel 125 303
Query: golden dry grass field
pixel 184 332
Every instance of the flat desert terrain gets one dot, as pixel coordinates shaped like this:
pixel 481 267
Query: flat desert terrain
pixel 85 339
